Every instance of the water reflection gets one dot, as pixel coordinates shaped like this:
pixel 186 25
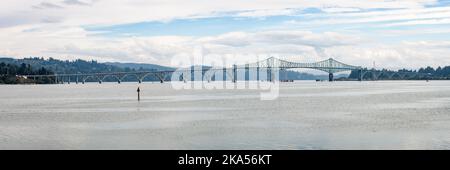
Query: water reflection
pixel 308 115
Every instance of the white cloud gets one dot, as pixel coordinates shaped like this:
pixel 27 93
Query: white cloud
pixel 47 5
pixel 414 16
pixel 79 2
pixel 73 41
pixel 428 44
pixel 112 12
pixel 265 13
pixel 340 10
pixel 302 46
pixel 421 22
pixel 411 54
pixel 54 28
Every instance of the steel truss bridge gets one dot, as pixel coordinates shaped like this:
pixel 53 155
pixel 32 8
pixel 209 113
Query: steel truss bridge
pixel 265 70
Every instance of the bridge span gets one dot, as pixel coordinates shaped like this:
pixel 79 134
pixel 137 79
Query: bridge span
pixel 264 70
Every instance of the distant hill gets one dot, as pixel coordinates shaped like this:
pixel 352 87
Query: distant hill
pixel 63 67
pixel 82 66
pixel 138 66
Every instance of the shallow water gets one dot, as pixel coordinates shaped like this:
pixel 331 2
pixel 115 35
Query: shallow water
pixel 307 115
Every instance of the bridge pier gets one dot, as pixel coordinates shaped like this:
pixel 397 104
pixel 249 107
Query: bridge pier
pixel 257 73
pixel 183 78
pixel 234 73
pixel 330 77
pixel 141 76
pixel 187 76
pixel 269 74
pixel 224 74
pixel 192 74
pixel 360 75
pixel 161 77
pixel 373 75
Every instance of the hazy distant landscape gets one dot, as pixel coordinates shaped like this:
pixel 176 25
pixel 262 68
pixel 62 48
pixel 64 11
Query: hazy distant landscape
pixel 10 68
pixel 31 66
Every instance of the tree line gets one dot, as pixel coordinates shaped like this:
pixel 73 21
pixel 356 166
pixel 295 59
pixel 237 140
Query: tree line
pixel 440 73
pixel 9 74
pixel 10 68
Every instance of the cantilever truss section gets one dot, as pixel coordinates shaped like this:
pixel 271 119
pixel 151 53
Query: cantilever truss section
pixel 329 65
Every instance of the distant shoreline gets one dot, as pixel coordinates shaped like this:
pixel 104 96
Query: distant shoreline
pixel 156 82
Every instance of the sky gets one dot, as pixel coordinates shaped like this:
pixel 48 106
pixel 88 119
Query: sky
pixel 389 34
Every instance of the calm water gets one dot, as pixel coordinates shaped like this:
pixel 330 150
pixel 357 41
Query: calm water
pixel 307 115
